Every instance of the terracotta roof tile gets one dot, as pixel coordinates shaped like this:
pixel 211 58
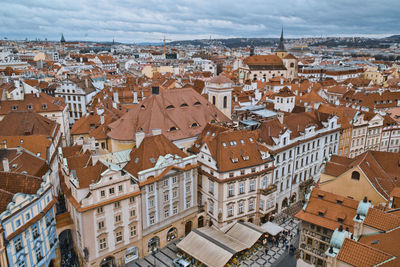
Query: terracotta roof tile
pixel 361 255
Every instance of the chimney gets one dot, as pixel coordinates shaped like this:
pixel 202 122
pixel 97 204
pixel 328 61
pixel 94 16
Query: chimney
pixel 155 90
pixel 115 96
pixel 6 165
pixel 139 138
pixel 156 132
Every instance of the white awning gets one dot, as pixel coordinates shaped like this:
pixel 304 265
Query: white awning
pixel 272 228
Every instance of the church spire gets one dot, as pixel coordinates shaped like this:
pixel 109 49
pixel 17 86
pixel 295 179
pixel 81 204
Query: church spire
pixel 281 46
pixel 62 38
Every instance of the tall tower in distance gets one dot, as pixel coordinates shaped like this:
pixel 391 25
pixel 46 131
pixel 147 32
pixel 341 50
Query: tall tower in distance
pixel 280 51
pixel 219 90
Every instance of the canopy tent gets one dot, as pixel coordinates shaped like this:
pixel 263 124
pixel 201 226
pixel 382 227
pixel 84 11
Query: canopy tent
pixel 272 228
pixel 214 247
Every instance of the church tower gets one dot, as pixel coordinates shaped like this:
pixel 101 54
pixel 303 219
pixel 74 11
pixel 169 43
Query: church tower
pixel 280 51
pixel 219 90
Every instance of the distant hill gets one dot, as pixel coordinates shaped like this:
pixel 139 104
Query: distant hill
pixel 230 42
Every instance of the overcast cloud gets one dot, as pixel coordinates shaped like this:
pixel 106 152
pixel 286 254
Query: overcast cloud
pixel 150 20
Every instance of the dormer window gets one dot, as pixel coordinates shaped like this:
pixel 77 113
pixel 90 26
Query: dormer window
pixel 340 220
pixel 320 214
pixel 173 128
pixel 213 134
pixel 142 107
pixel 152 160
pixel 14 107
pixel 197 103
pixel 136 160
pixel 223 144
pixel 44 106
pixel 30 107
pixel 241 141
pixel 194 124
pixel 234 160
pixel 245 157
pixel 170 107
pixel 251 139
pixel 184 105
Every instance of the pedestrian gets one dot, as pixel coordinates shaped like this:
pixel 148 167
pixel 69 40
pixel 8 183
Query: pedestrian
pixel 266 250
pixel 287 247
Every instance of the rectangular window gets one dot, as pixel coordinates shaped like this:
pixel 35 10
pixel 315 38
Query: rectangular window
pixel 151 188
pixel 35 232
pixel 230 210
pixel 118 237
pixel 111 190
pixel 188 203
pixel 131 199
pixel 174 210
pixel 101 225
pixel 151 219
pixel 174 180
pixel 166 213
pixel 211 207
pixel 166 197
pixel 102 193
pixel 151 203
pixel 133 230
pixel 117 204
pixel 211 186
pixel 133 213
pixel 241 188
pixel 102 243
pixel 117 218
pixel 252 185
pixel 165 182
pixel 230 190
pixel 120 188
pixel 261 205
pixel 100 210
pixel 38 253
pixel 18 244
pixel 251 204
pixel 241 207
pixel 174 193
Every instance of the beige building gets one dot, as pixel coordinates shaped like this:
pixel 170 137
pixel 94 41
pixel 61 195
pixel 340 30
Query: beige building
pixel 104 203
pixel 167 179
pixel 235 177
pixel 371 174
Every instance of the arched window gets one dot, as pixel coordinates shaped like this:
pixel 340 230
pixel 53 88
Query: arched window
pixel 213 100
pixel 355 175
pixel 225 101
pixel 292 65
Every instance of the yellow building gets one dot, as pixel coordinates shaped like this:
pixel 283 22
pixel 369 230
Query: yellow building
pixel 371 174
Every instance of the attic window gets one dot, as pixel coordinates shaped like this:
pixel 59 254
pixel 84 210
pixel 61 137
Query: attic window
pixel 197 103
pixel 241 141
pixel 320 196
pixel 142 107
pixel 234 160
pixel 251 139
pixel 152 160
pixel 194 124
pixel 223 144
pixel 184 105
pixel 29 107
pixel 136 160
pixel 21 141
pixel 320 214
pixel 208 133
pixel 232 143
pixel 44 106
pixel 213 134
pixel 340 202
pixel 14 165
pixel 14 107
pixel 91 125
pixel 245 157
pixel 173 128
pixel 170 106
pixel 340 220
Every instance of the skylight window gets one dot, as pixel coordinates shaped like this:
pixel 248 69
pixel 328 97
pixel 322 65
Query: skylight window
pixel 245 157
pixel 232 143
pixel 223 144
pixel 152 160
pixel 241 141
pixel 136 160
pixel 234 160
pixel 251 139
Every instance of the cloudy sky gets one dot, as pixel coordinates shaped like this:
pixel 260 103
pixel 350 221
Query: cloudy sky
pixel 149 20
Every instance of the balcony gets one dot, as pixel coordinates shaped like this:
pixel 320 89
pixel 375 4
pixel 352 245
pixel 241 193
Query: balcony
pixel 269 190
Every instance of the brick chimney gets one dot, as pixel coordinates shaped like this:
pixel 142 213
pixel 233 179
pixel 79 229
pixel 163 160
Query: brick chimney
pixel 6 165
